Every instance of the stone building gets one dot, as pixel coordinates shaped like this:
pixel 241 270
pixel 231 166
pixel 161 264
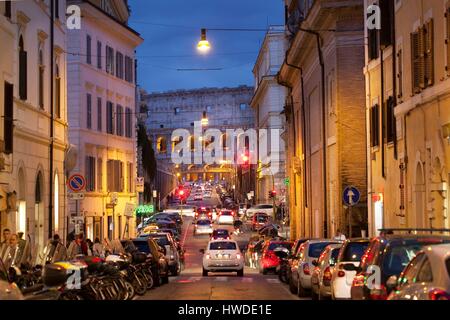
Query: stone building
pixel 268 102
pixel 102 116
pixel 325 114
pixel 224 108
pixel 408 115
pixel 33 139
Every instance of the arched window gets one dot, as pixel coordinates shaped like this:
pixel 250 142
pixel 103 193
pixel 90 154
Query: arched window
pixel 22 70
pixel 41 77
pixel 161 145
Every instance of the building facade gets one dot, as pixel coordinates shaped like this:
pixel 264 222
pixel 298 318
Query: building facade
pixel 33 126
pixel 268 102
pixel 325 114
pixel 102 117
pixel 224 108
pixel 408 115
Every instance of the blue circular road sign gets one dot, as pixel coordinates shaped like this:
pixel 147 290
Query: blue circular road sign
pixel 351 196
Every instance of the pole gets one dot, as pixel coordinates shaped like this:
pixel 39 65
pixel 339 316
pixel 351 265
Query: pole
pixel 350 221
pixel 50 193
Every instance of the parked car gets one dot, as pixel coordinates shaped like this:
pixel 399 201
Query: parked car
pixel 269 261
pixel 426 277
pixel 310 251
pixel 184 210
pixel 225 217
pixel 259 219
pixel 220 234
pixel 351 253
pixel 203 226
pixel 222 256
pixel 166 241
pixel 322 273
pixel 293 259
pixel 387 256
pixel 266 208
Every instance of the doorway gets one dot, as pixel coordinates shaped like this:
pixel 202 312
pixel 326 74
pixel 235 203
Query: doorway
pixel 39 239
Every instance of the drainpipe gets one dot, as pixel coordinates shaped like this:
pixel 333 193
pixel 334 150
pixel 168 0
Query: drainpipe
pixel 50 193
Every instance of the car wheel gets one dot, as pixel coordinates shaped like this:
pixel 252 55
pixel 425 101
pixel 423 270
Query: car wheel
pixel 292 287
pixel 301 291
pixel 264 271
pixel 165 280
pixel 240 273
pixel 205 272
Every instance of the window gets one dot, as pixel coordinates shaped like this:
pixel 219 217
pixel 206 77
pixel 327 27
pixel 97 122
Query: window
pixel 90 173
pixel 128 69
pixel 8 121
pixel 161 145
pixel 57 91
pixel 119 120
pixel 243 106
pixel 22 70
pixel 8 9
pixel 109 60
pixel 387 22
pixel 99 54
pixel 109 118
pixel 56 8
pixel 400 74
pixel 119 65
pixel 99 174
pixel 88 49
pixel 115 176
pixel 177 110
pixel 99 114
pixel 422 57
pixel 373 44
pixel 41 78
pixel 225 245
pixel 374 126
pixel 161 126
pixel 130 177
pixel 391 125
pixel 425 272
pixel 128 123
pixel 208 108
pixel 88 111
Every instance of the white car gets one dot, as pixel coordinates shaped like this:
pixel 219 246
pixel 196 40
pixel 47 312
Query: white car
pixel 341 280
pixel 223 256
pixel 265 208
pixel 225 217
pixel 203 226
pixel 426 277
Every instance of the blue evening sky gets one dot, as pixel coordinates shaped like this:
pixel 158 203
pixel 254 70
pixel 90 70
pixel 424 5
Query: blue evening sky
pixel 171 30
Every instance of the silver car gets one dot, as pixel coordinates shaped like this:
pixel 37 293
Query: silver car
pixel 426 277
pixel 322 273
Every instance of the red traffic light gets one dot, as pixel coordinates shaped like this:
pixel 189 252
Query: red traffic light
pixel 244 158
pixel 181 193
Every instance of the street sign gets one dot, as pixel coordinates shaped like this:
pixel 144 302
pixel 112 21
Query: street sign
pixel 155 193
pixel 75 220
pixel 129 209
pixel 75 196
pixel 351 196
pixel 144 210
pixel 110 206
pixel 140 184
pixel 76 183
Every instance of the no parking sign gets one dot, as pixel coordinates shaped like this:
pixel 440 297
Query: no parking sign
pixel 76 183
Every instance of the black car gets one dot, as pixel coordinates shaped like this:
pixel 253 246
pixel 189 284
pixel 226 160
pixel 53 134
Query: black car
pixel 219 234
pixel 389 254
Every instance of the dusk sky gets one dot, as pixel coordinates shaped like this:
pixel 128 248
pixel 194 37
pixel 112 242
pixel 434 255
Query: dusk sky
pixel 171 30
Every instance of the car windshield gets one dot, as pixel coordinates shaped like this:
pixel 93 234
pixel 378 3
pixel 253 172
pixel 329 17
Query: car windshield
pixel 142 246
pixel 398 257
pixel 203 222
pixel 315 249
pixel 161 240
pixel 334 255
pixel 273 246
pixel 354 251
pixel 222 245
pixel 226 213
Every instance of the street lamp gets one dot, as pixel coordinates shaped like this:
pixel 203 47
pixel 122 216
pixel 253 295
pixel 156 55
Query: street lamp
pixel 203 45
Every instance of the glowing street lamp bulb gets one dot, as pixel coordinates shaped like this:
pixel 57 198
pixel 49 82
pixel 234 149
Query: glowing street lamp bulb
pixel 203 45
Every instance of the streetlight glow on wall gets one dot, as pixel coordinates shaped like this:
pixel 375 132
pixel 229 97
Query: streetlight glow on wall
pixel 204 121
pixel 203 45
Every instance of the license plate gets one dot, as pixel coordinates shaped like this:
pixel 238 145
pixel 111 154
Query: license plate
pixel 223 256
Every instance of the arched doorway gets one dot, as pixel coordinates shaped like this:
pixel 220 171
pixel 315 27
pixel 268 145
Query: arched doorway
pixel 420 197
pixel 22 219
pixel 39 220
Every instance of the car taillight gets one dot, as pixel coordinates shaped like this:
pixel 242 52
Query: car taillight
pixel 208 256
pixel 379 293
pixel 341 273
pixel 327 274
pixel 306 269
pixel 238 256
pixel 439 295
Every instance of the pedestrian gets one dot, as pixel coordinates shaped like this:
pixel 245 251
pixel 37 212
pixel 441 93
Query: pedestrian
pixel 98 249
pixel 340 235
pixel 90 245
pixel 77 247
pixel 5 243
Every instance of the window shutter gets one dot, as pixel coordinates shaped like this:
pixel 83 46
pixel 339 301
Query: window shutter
pixel 400 73
pixel 23 75
pixel 122 178
pixel 415 61
pixel 110 175
pixel 428 39
pixel 8 118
